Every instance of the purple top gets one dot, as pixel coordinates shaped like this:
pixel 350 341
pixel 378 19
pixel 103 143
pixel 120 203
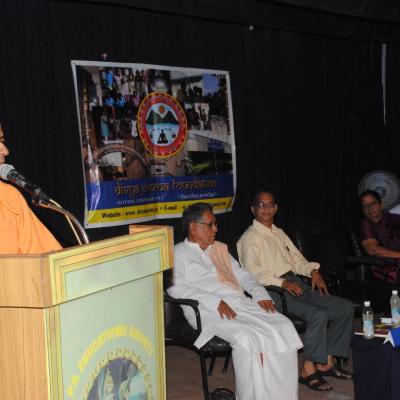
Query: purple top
pixel 386 231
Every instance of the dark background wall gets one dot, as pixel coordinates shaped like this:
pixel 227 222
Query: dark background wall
pixel 306 93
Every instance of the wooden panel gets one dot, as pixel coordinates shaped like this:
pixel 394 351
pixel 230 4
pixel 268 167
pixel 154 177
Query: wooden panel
pixel 24 280
pixel 23 355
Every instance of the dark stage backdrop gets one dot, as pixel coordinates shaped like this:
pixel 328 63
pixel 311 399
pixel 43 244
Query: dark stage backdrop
pixel 388 10
pixel 307 106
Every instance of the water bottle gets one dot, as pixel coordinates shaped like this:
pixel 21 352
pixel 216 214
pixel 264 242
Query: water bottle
pixel 395 308
pixel 368 321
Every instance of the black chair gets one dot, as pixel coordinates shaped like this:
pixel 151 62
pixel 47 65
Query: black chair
pixel 178 332
pixel 299 323
pixel 318 242
pixel 365 262
pixel 366 265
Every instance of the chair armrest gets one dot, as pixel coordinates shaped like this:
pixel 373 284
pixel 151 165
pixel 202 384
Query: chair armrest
pixel 194 304
pixel 186 302
pixel 333 281
pixel 331 276
pixel 280 291
pixel 372 260
pixel 298 322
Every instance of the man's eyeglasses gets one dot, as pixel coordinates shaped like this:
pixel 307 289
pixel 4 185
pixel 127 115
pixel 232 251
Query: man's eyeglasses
pixel 367 206
pixel 269 205
pixel 209 224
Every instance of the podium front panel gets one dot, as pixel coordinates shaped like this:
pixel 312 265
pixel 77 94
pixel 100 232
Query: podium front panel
pixel 109 343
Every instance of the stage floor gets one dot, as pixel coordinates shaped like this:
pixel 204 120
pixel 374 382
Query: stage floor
pixel 184 379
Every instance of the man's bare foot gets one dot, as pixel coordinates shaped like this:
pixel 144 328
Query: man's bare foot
pixel 325 367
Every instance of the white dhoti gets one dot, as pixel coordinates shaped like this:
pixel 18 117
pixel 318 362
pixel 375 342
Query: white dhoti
pixel 275 379
pixel 264 351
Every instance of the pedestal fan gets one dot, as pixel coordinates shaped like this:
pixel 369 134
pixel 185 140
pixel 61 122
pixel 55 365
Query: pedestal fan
pixel 386 184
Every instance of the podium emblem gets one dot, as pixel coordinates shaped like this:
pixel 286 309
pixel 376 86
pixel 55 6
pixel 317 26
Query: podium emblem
pixel 122 375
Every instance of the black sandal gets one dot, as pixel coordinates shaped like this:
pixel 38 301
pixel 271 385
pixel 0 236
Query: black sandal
pixel 337 372
pixel 319 381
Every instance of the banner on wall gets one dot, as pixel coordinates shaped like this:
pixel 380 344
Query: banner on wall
pixel 155 139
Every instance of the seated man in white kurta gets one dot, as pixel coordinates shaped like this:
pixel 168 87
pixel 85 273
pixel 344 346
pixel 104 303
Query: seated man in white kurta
pixel 264 342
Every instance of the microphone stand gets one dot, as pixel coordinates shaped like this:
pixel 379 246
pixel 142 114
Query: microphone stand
pixel 69 216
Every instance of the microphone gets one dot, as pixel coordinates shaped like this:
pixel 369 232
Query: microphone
pixel 9 173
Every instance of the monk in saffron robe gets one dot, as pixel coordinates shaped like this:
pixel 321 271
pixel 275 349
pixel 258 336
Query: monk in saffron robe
pixel 21 232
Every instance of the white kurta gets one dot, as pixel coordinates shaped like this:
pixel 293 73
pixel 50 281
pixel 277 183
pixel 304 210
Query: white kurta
pixel 252 332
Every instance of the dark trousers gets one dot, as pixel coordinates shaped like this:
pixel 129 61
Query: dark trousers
pixel 329 321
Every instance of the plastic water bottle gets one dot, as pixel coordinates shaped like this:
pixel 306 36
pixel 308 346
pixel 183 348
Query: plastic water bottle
pixel 368 321
pixel 395 308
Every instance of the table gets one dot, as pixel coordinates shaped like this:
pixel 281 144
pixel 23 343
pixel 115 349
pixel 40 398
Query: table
pixel 376 369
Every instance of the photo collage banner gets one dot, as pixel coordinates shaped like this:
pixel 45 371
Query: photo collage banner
pixel 155 139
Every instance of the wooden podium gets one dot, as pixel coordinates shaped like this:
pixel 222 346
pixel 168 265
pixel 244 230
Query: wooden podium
pixel 86 322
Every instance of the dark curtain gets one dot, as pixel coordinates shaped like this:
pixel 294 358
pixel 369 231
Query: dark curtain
pixel 346 18
pixel 388 10
pixel 308 111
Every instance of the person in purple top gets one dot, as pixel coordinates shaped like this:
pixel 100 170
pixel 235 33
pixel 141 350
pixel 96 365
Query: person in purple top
pixel 380 231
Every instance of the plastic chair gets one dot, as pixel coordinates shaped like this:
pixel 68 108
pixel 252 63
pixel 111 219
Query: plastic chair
pixel 178 332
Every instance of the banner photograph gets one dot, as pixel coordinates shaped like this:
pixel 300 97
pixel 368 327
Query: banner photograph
pixel 155 139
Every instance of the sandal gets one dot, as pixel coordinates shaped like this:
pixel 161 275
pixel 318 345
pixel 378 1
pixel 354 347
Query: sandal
pixel 319 381
pixel 337 372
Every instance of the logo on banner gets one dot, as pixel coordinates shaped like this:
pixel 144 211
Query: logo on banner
pixel 162 125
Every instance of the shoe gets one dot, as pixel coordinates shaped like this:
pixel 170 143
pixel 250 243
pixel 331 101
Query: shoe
pixel 317 385
pixel 337 372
